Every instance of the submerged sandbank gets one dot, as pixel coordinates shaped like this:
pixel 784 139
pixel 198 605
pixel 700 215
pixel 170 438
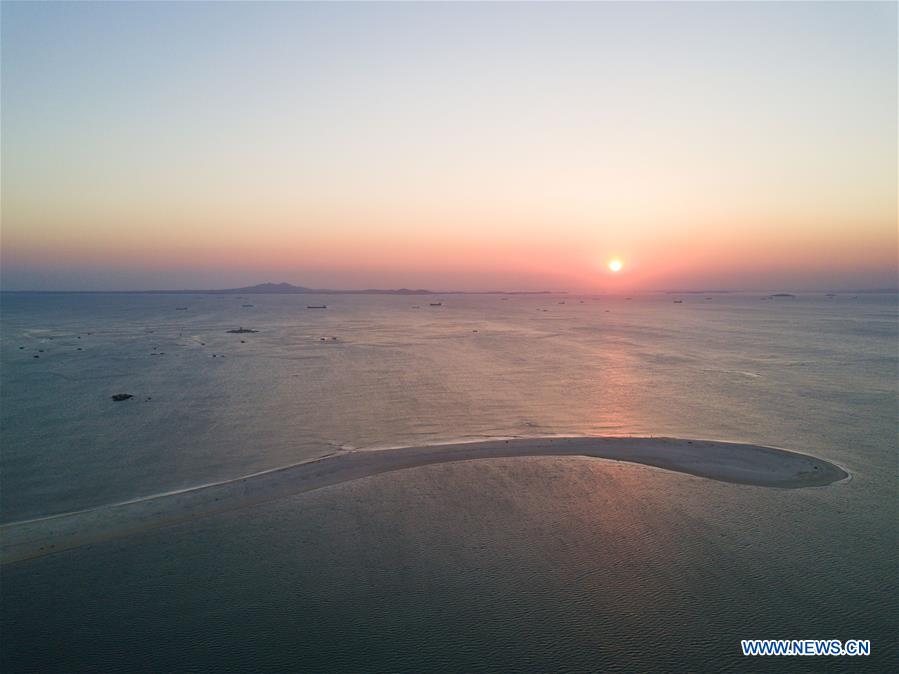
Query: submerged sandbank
pixel 724 461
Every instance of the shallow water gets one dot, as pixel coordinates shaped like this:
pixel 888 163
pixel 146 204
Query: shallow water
pixel 528 564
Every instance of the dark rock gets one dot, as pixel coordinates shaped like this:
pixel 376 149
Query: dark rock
pixel 118 397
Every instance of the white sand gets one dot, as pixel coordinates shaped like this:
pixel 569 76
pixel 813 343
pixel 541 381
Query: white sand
pixel 724 461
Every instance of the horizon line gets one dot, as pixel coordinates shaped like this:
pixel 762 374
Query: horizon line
pixel 269 288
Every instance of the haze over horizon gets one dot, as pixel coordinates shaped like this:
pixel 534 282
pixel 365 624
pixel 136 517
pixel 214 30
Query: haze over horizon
pixel 406 289
pixel 449 147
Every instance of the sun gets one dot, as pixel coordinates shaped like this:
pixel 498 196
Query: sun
pixel 615 265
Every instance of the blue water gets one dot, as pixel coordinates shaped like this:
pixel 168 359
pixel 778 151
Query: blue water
pixel 546 564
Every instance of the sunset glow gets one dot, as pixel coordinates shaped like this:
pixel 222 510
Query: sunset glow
pixel 361 145
pixel 439 336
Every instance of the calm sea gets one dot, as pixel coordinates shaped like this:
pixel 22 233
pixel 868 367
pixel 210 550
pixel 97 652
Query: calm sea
pixel 530 564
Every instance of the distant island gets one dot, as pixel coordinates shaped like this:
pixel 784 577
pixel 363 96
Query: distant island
pixel 289 289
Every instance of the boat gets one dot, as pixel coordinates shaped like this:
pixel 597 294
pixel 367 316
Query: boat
pixel 678 301
pixel 316 306
pixel 436 304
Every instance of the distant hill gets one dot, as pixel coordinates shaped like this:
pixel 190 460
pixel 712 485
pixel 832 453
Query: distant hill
pixel 289 289
pixel 266 288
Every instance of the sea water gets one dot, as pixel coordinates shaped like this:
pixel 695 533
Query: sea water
pixel 542 564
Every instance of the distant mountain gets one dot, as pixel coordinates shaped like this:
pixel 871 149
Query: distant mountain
pixel 265 288
pixel 289 289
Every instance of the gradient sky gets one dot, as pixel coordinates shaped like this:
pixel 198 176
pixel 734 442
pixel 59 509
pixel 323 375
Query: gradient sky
pixel 466 146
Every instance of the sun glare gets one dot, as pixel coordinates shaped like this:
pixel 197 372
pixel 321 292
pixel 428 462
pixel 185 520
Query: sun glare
pixel 615 265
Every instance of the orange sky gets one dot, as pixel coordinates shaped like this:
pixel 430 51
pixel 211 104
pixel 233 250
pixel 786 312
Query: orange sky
pixel 466 147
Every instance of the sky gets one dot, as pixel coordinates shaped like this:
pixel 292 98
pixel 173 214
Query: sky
pixel 469 146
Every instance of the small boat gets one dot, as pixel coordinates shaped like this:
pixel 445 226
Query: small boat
pixel 246 305
pixel 180 308
pixel 678 301
pixel 316 306
pixel 436 304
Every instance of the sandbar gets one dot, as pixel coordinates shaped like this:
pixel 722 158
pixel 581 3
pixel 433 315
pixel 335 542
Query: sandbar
pixel 724 461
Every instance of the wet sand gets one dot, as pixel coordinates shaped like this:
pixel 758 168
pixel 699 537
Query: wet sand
pixel 728 462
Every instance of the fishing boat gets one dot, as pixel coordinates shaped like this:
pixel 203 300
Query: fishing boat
pixel 316 306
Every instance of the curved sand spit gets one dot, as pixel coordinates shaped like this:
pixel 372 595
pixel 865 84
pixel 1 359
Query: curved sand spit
pixel 725 461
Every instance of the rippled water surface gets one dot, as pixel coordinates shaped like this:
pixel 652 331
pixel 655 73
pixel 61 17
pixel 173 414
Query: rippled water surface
pixel 547 564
